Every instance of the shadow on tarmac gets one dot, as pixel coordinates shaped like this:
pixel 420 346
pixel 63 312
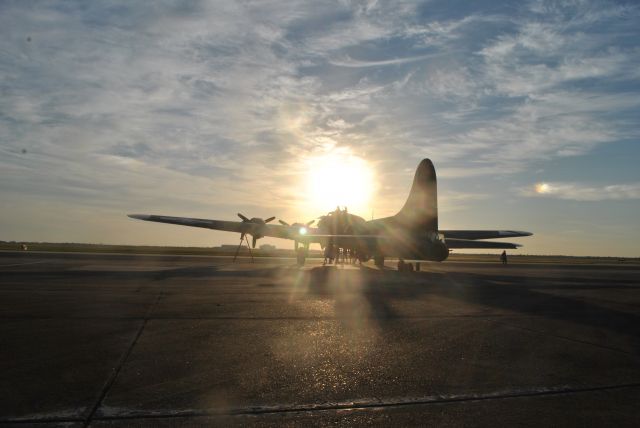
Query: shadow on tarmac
pixel 369 292
pixel 525 295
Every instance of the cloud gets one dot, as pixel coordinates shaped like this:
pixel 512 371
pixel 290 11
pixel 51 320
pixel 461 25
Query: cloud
pixel 350 62
pixel 121 102
pixel 456 201
pixel 581 192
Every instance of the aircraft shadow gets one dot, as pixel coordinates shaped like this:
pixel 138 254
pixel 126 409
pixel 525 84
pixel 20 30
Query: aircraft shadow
pixel 382 291
pixel 527 295
pixel 365 292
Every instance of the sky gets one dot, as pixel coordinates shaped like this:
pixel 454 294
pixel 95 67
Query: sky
pixel 530 111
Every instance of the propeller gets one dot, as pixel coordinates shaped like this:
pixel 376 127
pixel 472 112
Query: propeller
pixel 296 226
pixel 255 232
pixel 307 224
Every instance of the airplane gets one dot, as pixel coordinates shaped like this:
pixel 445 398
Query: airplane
pixel 411 234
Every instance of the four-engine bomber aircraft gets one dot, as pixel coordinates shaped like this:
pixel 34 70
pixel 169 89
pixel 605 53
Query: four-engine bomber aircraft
pixel 411 234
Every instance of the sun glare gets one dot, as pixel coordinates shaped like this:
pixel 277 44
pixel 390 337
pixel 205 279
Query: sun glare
pixel 542 188
pixel 339 179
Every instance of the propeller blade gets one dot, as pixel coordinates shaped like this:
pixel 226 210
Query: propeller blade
pixel 253 242
pixel 269 219
pixel 284 223
pixel 243 217
pixel 311 222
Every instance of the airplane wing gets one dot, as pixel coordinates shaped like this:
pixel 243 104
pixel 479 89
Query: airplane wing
pixel 229 226
pixel 271 230
pixel 482 234
pixel 322 238
pixel 471 243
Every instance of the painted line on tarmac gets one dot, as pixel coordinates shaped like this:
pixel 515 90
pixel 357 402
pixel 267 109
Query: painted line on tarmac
pixel 24 264
pixel 114 413
pixel 106 413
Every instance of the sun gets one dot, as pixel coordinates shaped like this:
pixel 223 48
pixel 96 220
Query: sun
pixel 339 178
pixel 542 188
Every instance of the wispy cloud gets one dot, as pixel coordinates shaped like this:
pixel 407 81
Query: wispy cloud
pixel 582 192
pixel 350 62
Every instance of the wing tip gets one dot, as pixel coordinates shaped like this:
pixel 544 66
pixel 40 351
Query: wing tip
pixel 514 233
pixel 139 216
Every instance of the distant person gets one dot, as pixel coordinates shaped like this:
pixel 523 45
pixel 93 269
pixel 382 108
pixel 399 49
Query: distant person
pixel 327 255
pixel 503 257
pixel 401 265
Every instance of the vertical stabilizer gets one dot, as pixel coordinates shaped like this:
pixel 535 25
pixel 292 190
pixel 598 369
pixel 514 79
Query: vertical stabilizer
pixel 420 212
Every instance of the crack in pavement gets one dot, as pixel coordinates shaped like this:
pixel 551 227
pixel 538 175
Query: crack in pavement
pixel 114 375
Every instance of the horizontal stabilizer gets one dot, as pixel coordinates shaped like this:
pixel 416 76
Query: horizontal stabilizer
pixel 483 234
pixel 470 243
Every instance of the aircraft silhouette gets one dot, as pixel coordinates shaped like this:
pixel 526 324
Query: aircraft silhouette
pixel 411 234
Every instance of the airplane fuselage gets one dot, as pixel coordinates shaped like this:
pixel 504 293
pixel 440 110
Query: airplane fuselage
pixel 386 237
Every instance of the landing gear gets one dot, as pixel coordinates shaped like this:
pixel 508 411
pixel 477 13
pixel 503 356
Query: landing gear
pixel 379 261
pixel 404 267
pixel 243 238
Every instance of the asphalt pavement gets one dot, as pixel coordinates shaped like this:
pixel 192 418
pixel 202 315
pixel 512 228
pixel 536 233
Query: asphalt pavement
pixel 121 340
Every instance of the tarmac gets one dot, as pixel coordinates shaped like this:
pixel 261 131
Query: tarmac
pixel 121 340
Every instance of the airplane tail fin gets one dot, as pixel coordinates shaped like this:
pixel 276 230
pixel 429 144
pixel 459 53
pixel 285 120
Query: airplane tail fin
pixel 421 209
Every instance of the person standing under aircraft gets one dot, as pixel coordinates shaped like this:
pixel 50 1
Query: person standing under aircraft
pixel 503 257
pixel 327 255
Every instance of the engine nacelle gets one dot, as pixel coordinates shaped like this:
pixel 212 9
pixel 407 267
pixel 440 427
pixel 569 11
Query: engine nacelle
pixel 432 248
